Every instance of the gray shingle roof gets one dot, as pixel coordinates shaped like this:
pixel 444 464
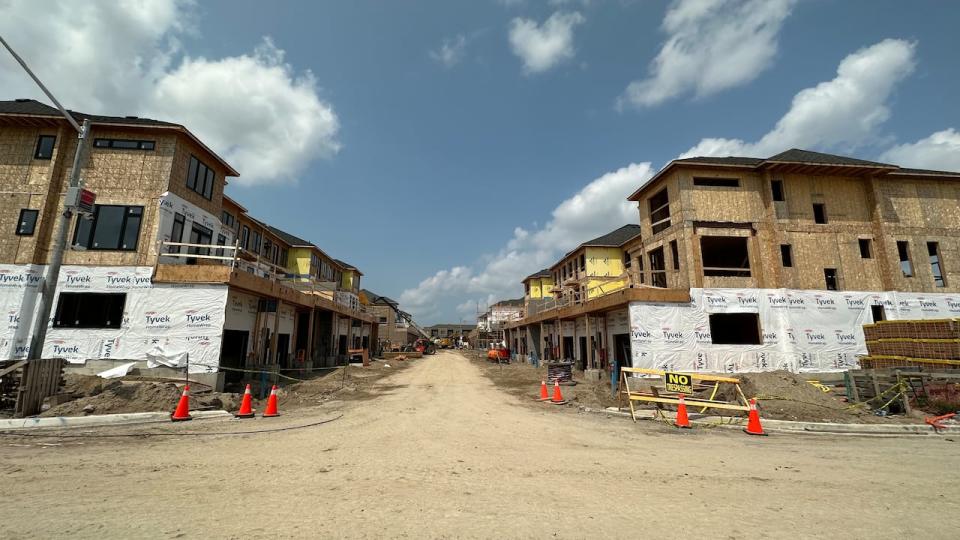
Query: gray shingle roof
pixel 731 160
pixel 32 107
pixel 542 273
pixel 795 155
pixel 289 238
pixel 615 238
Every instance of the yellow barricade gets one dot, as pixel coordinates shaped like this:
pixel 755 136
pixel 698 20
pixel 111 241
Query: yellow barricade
pixel 672 381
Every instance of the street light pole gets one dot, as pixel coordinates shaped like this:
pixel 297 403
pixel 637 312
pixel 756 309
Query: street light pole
pixel 48 286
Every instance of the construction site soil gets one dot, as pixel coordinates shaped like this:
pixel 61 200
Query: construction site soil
pixel 781 395
pixel 91 395
pixel 440 451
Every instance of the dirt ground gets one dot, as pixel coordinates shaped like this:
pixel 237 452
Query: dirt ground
pixel 93 395
pixel 781 395
pixel 436 450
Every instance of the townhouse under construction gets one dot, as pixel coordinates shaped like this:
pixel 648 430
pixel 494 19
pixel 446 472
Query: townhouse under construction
pixel 165 270
pixel 751 264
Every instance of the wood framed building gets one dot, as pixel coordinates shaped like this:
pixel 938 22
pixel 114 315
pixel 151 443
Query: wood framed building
pixel 166 270
pixel 747 264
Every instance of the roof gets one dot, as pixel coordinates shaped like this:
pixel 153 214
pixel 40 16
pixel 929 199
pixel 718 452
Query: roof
pixel 37 109
pixel 346 265
pixel 509 303
pixel 542 273
pixel 451 326
pixel 615 238
pixel 289 238
pixel 789 160
pixel 795 155
pixel 375 298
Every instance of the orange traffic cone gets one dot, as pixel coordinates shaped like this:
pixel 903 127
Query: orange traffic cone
pixel 557 396
pixel 544 394
pixel 682 421
pixel 272 404
pixel 246 406
pixel 183 407
pixel 753 420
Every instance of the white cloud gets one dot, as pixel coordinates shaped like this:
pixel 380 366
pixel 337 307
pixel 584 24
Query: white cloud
pixel 451 51
pixel 598 208
pixel 124 58
pixel 940 151
pixel 844 112
pixel 542 47
pixel 713 45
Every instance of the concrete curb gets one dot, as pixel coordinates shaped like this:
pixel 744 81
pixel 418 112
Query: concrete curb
pixel 787 426
pixel 67 422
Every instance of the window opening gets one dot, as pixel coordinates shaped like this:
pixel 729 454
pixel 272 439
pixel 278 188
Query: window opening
pixel 735 329
pixel 725 256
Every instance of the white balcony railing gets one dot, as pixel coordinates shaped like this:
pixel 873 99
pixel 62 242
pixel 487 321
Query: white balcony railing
pixel 242 260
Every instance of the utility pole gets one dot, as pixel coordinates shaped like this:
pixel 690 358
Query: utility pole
pixel 48 288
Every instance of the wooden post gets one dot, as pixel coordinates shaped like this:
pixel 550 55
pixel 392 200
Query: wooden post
pixel 274 338
pixel 560 346
pixel 309 351
pixel 589 358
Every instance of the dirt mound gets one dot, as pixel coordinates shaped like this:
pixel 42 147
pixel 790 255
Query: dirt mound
pixel 350 383
pixel 93 395
pixel 788 396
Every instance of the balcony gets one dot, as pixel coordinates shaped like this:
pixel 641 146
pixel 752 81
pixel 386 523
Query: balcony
pixel 181 262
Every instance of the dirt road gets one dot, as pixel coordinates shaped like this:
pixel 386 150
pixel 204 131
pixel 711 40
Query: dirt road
pixel 443 453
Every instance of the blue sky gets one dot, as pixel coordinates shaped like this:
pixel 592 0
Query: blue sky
pixel 439 172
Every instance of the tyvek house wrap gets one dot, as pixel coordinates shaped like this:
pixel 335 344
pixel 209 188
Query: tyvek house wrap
pixel 164 324
pixel 802 330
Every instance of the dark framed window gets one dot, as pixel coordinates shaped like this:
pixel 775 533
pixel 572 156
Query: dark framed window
pixel 865 251
pixel 228 220
pixel 675 254
pixel 124 144
pixel 176 233
pixel 200 177
pixel 830 279
pixel 583 262
pixel 933 249
pixel 255 242
pixel 627 261
pixel 112 227
pixel 221 241
pixel 786 255
pixel 244 237
pixel 45 145
pixel 89 310
pixel 906 265
pixel 819 213
pixel 199 235
pixel 27 222
pixel 717 182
